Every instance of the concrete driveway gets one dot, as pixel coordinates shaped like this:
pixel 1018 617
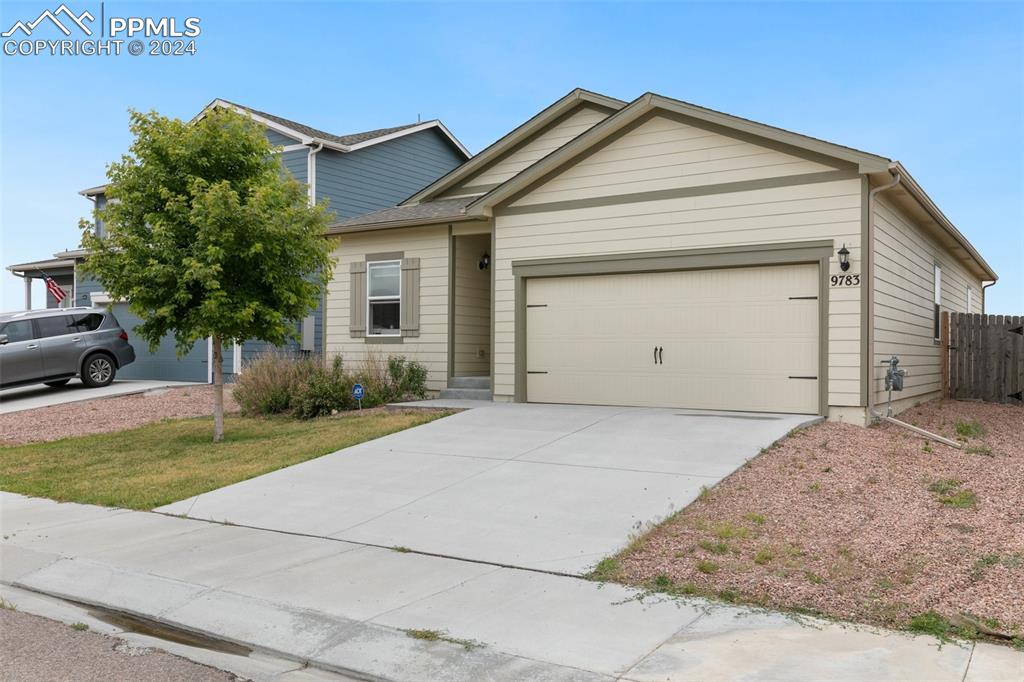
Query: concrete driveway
pixel 545 487
pixel 38 395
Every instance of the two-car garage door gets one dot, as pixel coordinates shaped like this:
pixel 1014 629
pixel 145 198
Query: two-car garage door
pixel 729 339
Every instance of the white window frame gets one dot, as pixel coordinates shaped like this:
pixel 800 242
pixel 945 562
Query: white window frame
pixel 970 300
pixel 370 299
pixel 937 315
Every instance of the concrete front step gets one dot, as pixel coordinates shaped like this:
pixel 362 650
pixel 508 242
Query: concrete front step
pixel 469 382
pixel 466 393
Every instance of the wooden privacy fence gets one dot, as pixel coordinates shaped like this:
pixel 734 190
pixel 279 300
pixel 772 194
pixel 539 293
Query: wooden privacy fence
pixel 984 357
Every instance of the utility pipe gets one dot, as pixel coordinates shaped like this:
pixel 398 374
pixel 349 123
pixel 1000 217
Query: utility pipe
pixel 869 284
pixel 915 429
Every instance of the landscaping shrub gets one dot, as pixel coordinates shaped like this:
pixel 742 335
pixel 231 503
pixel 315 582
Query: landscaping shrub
pixel 408 379
pixel 269 383
pixel 305 389
pixel 323 391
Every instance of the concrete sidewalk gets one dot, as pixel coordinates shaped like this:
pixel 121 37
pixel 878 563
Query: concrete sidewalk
pixel 345 607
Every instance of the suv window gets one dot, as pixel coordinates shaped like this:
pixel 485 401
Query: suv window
pixel 17 331
pixel 89 322
pixel 55 326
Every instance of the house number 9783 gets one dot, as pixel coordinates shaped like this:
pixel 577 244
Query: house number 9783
pixel 845 280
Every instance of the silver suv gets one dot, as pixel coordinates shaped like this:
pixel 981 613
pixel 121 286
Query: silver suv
pixel 54 346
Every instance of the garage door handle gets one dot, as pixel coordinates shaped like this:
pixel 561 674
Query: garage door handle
pixel 657 355
pixel 661 359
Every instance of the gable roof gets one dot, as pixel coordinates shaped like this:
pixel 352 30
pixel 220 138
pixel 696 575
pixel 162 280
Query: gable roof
pixel 863 162
pixel 647 103
pixel 519 135
pixel 305 134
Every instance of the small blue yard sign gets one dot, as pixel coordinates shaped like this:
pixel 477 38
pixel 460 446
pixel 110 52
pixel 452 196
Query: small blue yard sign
pixel 358 391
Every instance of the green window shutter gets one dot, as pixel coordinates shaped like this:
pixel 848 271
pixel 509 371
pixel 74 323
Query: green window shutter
pixel 357 300
pixel 410 297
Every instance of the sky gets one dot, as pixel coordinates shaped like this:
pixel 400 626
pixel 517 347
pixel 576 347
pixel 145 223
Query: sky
pixel 939 87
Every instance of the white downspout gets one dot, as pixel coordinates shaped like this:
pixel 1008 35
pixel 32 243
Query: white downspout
pixel 311 171
pixel 870 282
pixel 984 296
pixel 311 177
pixel 872 412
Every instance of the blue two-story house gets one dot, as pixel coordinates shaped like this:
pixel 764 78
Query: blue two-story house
pixel 355 174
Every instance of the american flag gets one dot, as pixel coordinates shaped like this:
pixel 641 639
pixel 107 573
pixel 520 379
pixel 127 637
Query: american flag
pixel 55 290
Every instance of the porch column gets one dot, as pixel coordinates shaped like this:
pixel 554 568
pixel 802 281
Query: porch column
pixel 28 293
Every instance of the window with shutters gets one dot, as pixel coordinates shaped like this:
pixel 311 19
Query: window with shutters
pixel 384 298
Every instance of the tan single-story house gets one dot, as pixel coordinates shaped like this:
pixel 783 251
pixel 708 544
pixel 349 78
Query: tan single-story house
pixel 657 253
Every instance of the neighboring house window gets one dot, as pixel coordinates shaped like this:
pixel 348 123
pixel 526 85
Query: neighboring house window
pixel 970 300
pixel 938 298
pixel 383 298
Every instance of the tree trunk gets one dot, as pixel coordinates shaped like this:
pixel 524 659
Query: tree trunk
pixel 218 390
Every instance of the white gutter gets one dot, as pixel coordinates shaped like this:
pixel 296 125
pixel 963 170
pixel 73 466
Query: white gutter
pixel 311 171
pixel 869 371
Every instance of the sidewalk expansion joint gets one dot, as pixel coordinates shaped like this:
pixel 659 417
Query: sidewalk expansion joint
pixel 436 555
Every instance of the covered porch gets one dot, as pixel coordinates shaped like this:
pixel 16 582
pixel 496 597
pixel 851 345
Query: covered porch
pixel 437 308
pixel 470 314
pixel 61 270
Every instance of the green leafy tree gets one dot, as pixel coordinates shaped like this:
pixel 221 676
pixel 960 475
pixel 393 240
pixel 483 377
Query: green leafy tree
pixel 207 236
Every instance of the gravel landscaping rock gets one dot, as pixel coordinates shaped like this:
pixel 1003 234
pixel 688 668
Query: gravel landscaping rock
pixel 873 525
pixel 104 415
pixel 35 649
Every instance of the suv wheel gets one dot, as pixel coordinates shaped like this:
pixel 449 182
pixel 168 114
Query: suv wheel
pixel 98 371
pixel 57 384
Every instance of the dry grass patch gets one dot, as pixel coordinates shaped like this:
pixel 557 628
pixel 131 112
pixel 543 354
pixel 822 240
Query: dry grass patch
pixel 160 463
pixel 862 524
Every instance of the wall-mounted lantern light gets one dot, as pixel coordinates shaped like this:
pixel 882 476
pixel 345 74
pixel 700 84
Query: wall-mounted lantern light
pixel 844 258
pixel 485 261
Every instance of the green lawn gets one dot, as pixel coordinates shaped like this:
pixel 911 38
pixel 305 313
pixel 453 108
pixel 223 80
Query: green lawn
pixel 168 461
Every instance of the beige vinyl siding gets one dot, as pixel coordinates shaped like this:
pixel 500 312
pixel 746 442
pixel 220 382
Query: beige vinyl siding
pixel 904 293
pixel 430 245
pixel 663 153
pixel 803 212
pixel 472 307
pixel 540 146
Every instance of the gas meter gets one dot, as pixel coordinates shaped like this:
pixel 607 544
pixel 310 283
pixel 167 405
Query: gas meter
pixel 894 375
pixel 893 379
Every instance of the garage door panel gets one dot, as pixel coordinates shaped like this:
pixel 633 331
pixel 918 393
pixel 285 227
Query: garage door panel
pixel 731 339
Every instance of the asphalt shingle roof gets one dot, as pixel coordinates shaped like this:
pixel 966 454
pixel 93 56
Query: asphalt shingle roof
pixel 350 139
